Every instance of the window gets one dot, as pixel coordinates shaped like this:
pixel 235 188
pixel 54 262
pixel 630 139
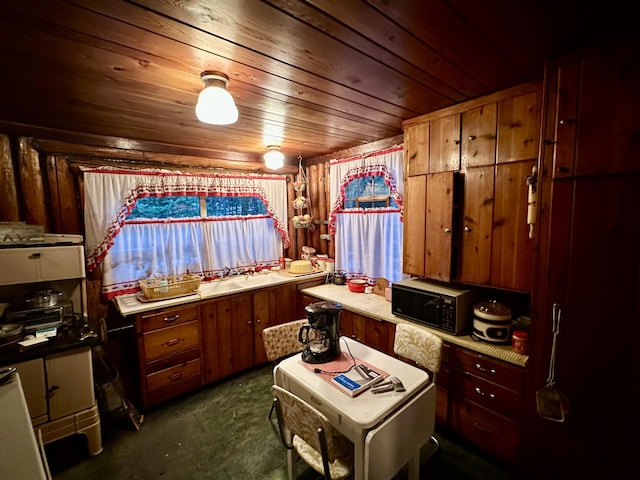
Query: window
pixel 151 223
pixel 365 216
pixel 368 192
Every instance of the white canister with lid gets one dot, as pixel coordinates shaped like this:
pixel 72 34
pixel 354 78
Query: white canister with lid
pixel 492 322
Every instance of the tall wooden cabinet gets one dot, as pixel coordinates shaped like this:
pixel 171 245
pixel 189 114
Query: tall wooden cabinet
pixel 588 264
pixel 465 211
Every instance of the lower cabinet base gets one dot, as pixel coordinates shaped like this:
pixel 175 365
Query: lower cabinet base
pixel 486 429
pixel 86 422
pixel 186 384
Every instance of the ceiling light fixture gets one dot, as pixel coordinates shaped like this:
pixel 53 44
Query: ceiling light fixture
pixel 274 158
pixel 215 105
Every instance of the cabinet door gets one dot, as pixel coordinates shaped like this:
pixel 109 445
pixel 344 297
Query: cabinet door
pixel 228 336
pixel 597 102
pixel 57 263
pixel 69 382
pixel 479 136
pixel 19 265
pixel 519 127
pixel 30 265
pixel 444 144
pixel 271 306
pixel 32 378
pixel 301 299
pixel 439 226
pixel 589 266
pixel 477 225
pixel 374 333
pixel 512 249
pixel 416 149
pixel 414 225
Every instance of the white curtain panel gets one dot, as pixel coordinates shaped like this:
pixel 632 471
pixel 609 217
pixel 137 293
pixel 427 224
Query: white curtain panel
pixel 130 251
pixel 368 241
pixel 111 193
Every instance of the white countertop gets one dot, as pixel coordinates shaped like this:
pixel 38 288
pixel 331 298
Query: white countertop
pixel 19 453
pixel 376 307
pixel 130 304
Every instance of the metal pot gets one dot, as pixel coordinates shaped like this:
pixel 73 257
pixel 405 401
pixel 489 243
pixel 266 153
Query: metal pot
pixel 492 322
pixel 357 285
pixel 43 298
pixel 10 333
pixel 339 278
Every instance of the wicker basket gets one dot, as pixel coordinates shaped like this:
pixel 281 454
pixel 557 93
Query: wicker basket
pixel 170 286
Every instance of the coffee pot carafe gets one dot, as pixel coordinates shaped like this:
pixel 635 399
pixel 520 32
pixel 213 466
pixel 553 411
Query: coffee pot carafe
pixel 322 335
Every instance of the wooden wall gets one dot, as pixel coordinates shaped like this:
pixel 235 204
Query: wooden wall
pixel 41 183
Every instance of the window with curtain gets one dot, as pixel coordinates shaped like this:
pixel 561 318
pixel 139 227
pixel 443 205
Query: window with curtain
pixel 152 223
pixel 365 217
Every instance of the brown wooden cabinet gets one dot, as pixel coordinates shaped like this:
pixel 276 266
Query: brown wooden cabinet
pixel 519 127
pixel 374 333
pixel 511 247
pixel 414 225
pixel 444 144
pixel 478 139
pixel 473 211
pixel 228 335
pixel 486 402
pixel 440 205
pixel 271 306
pixel 170 353
pixel 588 264
pixel 477 225
pixel 416 148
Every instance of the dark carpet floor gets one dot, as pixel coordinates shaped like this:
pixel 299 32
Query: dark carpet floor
pixel 222 432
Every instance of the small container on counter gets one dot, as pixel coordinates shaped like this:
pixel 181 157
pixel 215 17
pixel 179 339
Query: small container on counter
pixel 520 341
pixel 329 265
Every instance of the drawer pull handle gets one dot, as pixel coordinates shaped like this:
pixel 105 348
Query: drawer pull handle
pixel 35 255
pixel 482 429
pixel 492 371
pixel 171 319
pixel 175 376
pixel 482 394
pixel 172 342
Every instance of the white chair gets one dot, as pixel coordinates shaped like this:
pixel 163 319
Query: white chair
pixel 281 341
pixel 425 349
pixel 307 432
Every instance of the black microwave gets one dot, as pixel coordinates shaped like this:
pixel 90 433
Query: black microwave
pixel 438 306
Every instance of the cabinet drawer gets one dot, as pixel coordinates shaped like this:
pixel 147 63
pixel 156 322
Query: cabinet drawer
pixel 489 368
pixel 490 395
pixel 174 375
pixel 171 340
pixel 490 431
pixel 165 318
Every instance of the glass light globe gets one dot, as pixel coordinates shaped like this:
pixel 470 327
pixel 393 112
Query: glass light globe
pixel 274 158
pixel 216 107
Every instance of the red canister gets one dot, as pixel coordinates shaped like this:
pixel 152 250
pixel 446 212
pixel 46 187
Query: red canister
pixel 520 341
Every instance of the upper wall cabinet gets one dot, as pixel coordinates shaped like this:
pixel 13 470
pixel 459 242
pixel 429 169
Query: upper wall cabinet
pixel 519 127
pixel 465 219
pixel 478 143
pixel 595 99
pixel 416 148
pixel 444 144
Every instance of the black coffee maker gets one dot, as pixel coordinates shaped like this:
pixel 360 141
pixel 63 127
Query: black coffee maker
pixel 322 334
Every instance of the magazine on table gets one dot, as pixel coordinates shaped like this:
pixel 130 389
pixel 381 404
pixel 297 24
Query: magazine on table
pixel 357 380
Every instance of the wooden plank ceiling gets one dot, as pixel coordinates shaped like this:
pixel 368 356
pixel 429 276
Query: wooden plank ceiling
pixel 322 75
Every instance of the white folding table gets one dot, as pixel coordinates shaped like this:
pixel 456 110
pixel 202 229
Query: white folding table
pixel 387 429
